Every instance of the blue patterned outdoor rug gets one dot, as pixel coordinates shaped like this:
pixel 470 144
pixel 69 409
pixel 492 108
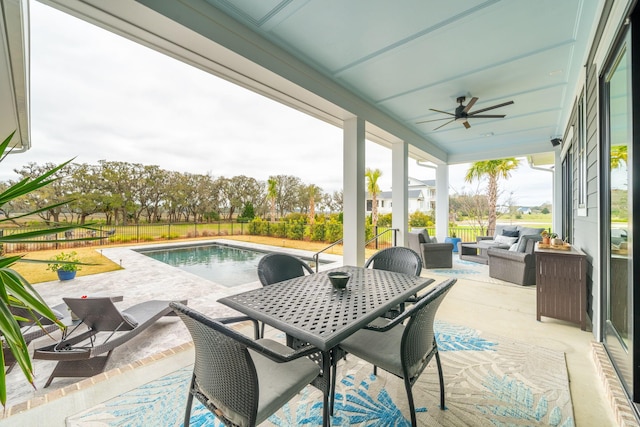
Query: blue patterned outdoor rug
pixel 462 269
pixel 489 381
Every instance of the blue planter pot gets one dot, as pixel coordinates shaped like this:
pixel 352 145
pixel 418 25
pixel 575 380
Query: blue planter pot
pixel 66 275
pixel 453 240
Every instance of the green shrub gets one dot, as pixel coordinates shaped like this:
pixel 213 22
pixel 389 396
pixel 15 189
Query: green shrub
pixel 368 232
pixel 384 220
pixel 317 232
pixel 333 230
pixel 420 219
pixel 279 229
pixel 255 226
pixel 296 230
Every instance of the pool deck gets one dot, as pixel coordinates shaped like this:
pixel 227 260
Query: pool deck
pixel 141 279
pixel 499 308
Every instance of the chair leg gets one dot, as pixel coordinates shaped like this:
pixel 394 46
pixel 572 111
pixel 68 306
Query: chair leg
pixel 412 406
pixel 262 330
pixel 187 412
pixel 332 397
pixel 440 376
pixel 375 370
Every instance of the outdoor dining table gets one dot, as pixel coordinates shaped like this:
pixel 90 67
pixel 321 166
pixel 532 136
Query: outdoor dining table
pixel 311 310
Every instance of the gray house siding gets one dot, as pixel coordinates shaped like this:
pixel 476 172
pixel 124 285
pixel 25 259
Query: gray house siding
pixel 585 227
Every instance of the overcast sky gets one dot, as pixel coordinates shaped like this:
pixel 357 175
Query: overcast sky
pixel 96 95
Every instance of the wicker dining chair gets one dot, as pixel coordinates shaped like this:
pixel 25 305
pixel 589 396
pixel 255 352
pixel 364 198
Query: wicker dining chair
pixel 241 381
pixel 278 267
pixel 398 259
pixel 403 350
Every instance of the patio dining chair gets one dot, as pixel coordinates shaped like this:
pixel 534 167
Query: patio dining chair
pixel 278 267
pixel 241 381
pixel 398 259
pixel 403 350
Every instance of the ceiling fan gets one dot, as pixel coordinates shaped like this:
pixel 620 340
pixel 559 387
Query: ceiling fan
pixel 462 113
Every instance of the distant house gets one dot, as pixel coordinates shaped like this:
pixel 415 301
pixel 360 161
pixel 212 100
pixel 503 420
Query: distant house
pixel 422 197
pixel 524 210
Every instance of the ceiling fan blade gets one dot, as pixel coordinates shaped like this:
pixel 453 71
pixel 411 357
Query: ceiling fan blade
pixel 466 124
pixel 443 112
pixel 452 120
pixel 487 116
pixel 433 120
pixel 469 105
pixel 492 107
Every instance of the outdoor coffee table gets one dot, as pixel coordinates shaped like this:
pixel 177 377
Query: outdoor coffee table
pixel 310 310
pixel 477 252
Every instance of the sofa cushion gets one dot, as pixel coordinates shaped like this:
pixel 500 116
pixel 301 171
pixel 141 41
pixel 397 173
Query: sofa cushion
pixel 500 228
pixel 522 243
pixel 505 240
pixel 511 233
pixel 423 236
pixel 530 231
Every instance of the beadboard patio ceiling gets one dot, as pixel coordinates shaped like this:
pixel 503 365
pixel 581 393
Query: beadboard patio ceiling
pixel 388 62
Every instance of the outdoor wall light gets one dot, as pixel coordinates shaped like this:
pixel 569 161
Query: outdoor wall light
pixel 556 141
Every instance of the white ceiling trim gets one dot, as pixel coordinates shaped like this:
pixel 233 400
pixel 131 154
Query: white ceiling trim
pixel 14 74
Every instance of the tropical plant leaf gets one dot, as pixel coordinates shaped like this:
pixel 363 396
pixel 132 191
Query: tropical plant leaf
pixel 15 290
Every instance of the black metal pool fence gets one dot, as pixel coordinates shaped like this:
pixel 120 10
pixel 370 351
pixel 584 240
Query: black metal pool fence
pixel 142 233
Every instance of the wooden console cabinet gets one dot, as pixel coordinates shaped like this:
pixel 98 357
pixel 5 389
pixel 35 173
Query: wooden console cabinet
pixel 561 282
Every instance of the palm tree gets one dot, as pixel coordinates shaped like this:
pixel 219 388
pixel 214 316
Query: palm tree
pixel 493 170
pixel 618 156
pixel 314 191
pixel 372 188
pixel 272 194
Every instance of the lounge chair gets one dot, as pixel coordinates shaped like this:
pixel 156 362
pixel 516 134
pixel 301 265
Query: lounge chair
pixel 81 353
pixel 32 326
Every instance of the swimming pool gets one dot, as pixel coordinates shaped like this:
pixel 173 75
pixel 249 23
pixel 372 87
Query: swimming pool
pixel 227 265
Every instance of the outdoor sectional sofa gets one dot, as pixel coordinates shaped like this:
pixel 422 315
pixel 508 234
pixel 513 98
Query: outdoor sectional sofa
pixel 515 266
pixel 509 253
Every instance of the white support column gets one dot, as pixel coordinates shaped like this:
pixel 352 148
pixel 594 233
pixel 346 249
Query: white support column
pixel 442 202
pixel 354 191
pixel 556 195
pixel 400 186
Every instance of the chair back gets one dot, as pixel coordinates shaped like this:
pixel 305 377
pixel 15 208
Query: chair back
pixel 418 339
pixel 277 267
pixel 99 314
pixel 397 259
pixel 223 372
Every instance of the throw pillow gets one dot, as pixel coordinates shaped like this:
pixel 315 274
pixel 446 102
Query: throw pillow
pixel 514 247
pixel 530 231
pixel 505 240
pixel 522 244
pixel 511 233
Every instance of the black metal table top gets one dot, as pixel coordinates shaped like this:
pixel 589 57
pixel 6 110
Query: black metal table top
pixel 309 308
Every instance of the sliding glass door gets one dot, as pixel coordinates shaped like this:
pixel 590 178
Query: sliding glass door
pixel 617 157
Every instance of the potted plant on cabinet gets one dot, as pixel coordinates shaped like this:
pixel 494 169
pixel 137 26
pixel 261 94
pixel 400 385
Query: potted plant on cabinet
pixel 66 265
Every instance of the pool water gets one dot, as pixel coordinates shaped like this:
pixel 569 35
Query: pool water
pixel 226 265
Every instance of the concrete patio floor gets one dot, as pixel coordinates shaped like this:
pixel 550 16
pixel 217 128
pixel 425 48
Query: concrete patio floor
pixel 498 308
